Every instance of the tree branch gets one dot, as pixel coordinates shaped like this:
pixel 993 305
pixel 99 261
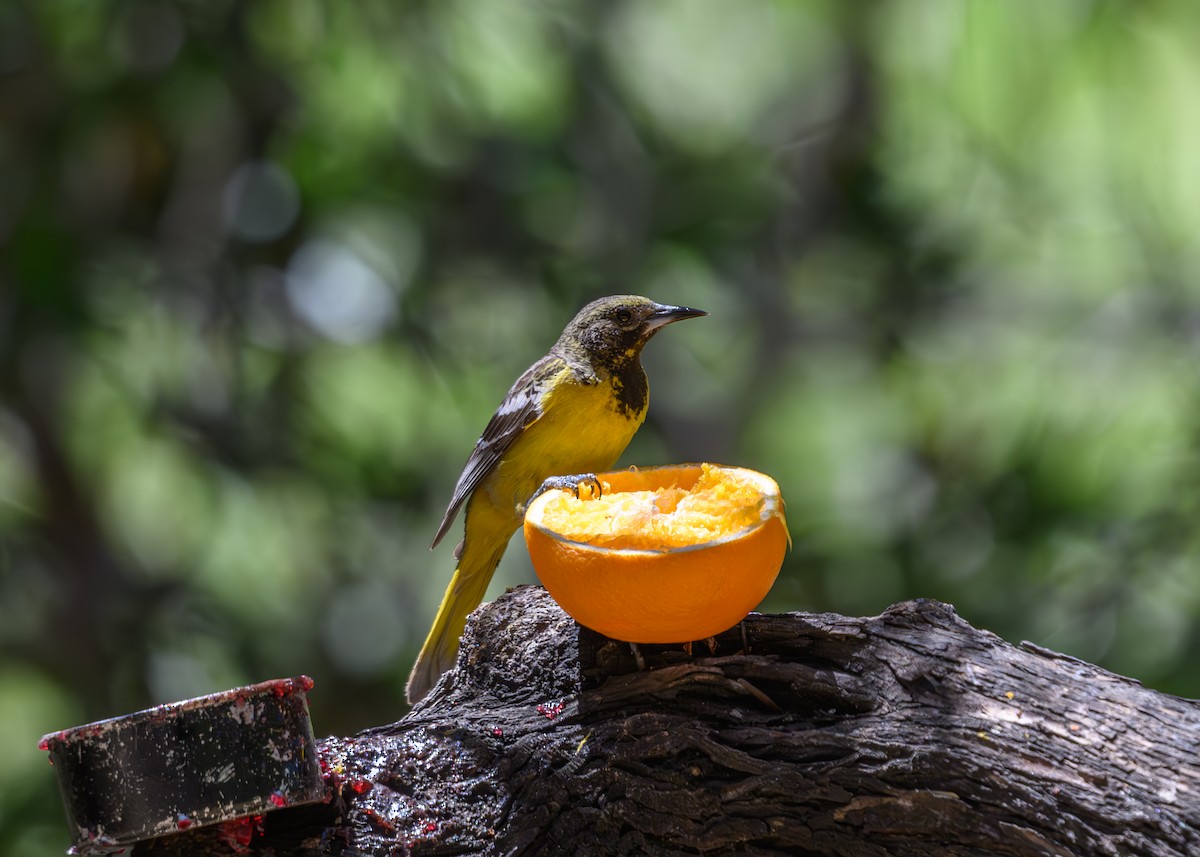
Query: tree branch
pixel 909 733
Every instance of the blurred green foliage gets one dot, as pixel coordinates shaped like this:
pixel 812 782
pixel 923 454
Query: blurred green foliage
pixel 266 268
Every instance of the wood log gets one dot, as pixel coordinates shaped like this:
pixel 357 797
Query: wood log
pixel 908 733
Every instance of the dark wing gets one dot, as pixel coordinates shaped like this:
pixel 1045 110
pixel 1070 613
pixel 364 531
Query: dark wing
pixel 521 408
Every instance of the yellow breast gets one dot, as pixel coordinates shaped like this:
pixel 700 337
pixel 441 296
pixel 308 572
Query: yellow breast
pixel 582 430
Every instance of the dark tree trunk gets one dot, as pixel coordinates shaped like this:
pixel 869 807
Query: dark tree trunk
pixel 908 733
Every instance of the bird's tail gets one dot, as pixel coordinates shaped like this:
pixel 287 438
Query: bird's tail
pixel 463 595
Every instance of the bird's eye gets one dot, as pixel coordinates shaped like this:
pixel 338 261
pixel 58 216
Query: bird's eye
pixel 624 316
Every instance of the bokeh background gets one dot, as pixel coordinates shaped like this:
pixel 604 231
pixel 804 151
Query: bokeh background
pixel 266 268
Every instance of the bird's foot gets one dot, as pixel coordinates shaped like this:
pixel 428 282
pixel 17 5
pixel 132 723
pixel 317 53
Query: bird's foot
pixel 585 486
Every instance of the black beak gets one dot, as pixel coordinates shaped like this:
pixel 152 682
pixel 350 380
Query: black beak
pixel 664 314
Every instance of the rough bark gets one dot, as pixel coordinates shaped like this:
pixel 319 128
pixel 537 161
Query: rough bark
pixel 909 733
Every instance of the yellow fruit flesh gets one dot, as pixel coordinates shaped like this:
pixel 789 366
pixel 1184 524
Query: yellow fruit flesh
pixel 719 504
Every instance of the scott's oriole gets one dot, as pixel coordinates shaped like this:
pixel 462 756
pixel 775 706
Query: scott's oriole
pixel 572 412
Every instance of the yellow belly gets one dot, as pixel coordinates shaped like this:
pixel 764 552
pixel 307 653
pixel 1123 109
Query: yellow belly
pixel 581 431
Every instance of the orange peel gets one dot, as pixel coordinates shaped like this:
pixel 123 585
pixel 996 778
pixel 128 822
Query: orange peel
pixel 665 554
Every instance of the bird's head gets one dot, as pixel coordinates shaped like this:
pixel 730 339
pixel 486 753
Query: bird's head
pixel 612 331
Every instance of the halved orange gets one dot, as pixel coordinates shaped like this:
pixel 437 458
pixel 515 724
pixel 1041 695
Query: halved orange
pixel 665 554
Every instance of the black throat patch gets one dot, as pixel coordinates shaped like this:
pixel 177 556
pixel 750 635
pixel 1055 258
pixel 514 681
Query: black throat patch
pixel 632 389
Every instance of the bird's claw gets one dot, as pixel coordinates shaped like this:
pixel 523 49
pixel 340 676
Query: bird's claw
pixel 573 484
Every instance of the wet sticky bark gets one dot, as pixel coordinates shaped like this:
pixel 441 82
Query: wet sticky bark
pixel 909 733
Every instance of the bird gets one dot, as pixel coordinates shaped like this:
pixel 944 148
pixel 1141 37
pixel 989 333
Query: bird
pixel 571 414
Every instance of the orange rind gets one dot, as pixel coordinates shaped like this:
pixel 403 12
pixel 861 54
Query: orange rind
pixel 665 554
